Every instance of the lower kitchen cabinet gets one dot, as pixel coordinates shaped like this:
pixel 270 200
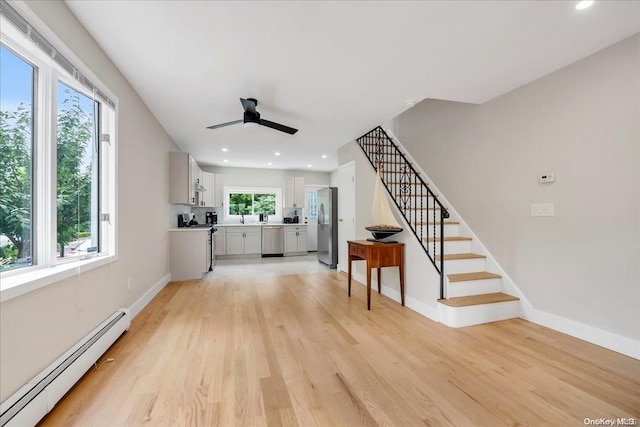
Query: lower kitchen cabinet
pixel 190 255
pixel 220 241
pixel 295 240
pixel 244 240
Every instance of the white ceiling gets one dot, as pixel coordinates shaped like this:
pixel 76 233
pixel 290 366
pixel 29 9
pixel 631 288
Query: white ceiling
pixel 334 70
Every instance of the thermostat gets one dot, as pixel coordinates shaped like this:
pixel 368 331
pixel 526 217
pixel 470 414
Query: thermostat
pixel 547 177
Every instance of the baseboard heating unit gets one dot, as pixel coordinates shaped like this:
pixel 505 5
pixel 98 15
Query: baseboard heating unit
pixel 34 400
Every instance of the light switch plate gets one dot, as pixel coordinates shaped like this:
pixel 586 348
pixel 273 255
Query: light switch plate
pixel 542 209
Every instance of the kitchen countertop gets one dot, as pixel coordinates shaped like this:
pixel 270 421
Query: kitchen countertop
pixel 259 225
pixel 190 229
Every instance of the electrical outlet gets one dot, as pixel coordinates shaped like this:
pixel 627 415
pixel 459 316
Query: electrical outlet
pixel 129 283
pixel 542 209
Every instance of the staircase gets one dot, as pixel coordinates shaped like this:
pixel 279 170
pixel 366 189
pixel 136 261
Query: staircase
pixel 469 294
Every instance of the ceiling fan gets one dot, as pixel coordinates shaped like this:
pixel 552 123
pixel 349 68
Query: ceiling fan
pixel 251 116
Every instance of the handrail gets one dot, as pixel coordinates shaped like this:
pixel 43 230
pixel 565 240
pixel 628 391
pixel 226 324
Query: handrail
pixel 407 189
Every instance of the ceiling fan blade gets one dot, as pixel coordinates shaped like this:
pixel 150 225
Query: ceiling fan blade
pixel 221 125
pixel 249 105
pixel 278 126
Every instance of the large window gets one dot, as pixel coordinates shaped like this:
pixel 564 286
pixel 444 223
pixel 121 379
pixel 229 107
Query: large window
pixel 77 173
pixel 251 202
pixel 17 82
pixel 57 153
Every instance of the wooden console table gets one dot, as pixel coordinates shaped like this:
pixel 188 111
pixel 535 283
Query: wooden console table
pixel 377 255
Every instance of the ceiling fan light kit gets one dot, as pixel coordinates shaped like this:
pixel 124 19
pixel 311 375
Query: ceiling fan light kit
pixel 252 118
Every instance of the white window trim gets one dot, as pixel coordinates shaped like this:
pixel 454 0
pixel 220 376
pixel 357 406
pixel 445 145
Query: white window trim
pixel 48 270
pixel 255 190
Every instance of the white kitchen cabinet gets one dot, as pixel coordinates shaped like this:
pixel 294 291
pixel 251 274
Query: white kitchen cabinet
pixel 206 198
pixel 294 192
pixel 295 240
pixel 244 240
pixel 218 191
pixel 220 241
pixel 190 254
pixel 184 171
pixel 197 177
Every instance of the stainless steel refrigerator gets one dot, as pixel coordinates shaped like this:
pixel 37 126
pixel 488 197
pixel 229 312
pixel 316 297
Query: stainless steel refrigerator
pixel 328 226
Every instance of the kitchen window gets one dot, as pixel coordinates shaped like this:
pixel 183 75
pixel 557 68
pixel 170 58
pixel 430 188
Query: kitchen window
pixel 250 202
pixel 57 162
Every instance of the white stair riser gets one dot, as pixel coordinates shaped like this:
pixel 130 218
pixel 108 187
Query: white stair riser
pixel 464 265
pixel 449 230
pixel 473 287
pixel 455 247
pixel 458 317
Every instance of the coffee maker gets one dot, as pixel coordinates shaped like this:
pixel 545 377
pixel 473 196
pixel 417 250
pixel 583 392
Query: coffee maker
pixel 183 220
pixel 211 218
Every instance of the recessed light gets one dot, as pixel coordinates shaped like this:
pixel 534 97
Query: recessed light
pixel 308 166
pixel 324 156
pixel 269 163
pixel 584 4
pixel 409 103
pixel 225 149
pixel 226 161
pixel 276 153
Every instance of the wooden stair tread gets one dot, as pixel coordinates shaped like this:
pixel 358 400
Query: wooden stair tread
pixel 453 257
pixel 478 275
pixel 436 223
pixel 478 299
pixel 448 239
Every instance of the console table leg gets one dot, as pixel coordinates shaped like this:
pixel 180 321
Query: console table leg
pixel 379 282
pixel 368 286
pixel 401 271
pixel 349 274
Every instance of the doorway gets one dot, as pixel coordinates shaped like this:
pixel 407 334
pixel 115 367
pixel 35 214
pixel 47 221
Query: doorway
pixel 311 211
pixel 346 210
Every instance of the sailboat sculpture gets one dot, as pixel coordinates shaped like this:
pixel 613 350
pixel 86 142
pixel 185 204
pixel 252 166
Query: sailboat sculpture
pixel 383 223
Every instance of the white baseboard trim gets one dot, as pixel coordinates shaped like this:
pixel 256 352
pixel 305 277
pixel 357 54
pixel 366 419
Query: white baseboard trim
pixel 599 337
pixel 412 303
pixel 145 299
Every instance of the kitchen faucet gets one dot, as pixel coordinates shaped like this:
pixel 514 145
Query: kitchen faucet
pixel 241 218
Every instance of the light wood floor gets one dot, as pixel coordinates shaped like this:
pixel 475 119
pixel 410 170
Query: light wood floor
pixel 294 350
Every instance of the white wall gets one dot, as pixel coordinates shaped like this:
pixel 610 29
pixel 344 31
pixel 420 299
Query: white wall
pixel 37 327
pixel 581 122
pixel 239 177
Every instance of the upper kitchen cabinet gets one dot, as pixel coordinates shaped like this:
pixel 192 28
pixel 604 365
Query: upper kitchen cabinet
pixel 218 191
pixel 212 194
pixel 294 192
pixel 207 197
pixel 185 174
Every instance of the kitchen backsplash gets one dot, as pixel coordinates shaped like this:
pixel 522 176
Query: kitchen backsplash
pixel 200 213
pixel 291 212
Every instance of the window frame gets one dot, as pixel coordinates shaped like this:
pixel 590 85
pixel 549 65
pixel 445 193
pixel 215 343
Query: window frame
pixel 46 268
pixel 252 190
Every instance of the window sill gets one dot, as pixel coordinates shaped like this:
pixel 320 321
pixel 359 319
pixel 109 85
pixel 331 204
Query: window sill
pixel 20 284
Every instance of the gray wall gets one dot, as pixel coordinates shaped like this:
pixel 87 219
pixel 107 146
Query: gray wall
pixel 581 122
pixel 37 327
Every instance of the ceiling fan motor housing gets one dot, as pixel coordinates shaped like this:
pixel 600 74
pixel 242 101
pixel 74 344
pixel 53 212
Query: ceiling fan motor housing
pixel 251 118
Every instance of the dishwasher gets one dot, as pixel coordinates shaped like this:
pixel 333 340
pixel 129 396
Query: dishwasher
pixel 272 240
